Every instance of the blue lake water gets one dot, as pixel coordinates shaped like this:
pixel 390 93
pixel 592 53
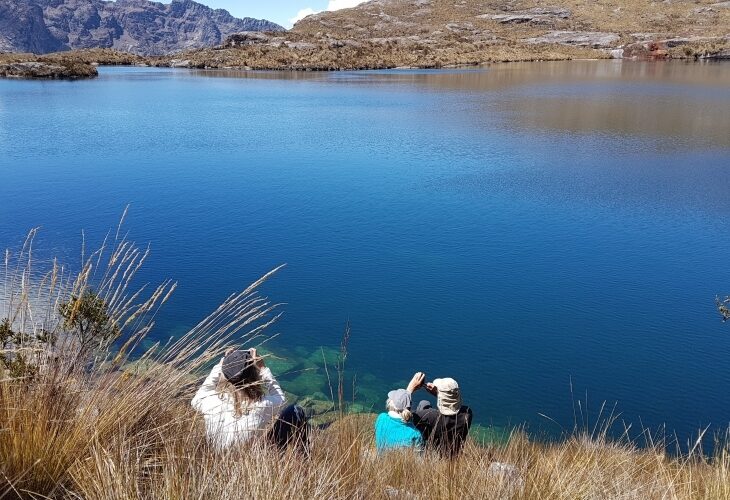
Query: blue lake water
pixel 544 233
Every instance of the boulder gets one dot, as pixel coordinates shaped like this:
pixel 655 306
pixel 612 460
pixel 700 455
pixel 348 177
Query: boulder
pixel 515 18
pixel 617 53
pixel 646 51
pixel 179 63
pixel 537 15
pixel 245 38
pixel 723 55
pixel 509 475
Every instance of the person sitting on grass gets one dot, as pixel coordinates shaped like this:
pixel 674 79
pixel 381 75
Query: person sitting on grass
pixel 446 427
pixel 241 400
pixel 394 428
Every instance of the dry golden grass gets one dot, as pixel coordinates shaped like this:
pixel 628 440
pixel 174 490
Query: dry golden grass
pixel 99 432
pixel 68 439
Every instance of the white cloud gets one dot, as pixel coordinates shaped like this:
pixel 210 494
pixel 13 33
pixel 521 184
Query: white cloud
pixel 343 4
pixel 301 15
pixel 332 5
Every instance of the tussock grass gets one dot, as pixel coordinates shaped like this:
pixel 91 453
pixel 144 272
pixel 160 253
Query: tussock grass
pixel 85 425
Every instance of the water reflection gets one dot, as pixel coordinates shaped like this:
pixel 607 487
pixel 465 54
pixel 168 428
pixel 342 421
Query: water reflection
pixel 684 101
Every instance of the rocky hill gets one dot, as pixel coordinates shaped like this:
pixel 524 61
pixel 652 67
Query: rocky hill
pixel 427 34
pixel 592 23
pixel 136 26
pixel 437 33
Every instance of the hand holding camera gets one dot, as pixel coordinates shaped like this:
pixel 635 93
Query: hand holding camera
pixel 257 360
pixel 431 389
pixel 416 382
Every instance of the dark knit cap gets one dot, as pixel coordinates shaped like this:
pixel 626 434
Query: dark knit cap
pixel 235 365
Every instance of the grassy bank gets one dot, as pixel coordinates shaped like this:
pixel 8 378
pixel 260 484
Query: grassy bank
pixel 132 439
pixel 78 419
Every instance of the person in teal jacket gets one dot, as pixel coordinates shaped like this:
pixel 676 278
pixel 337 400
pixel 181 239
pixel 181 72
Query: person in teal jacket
pixel 394 429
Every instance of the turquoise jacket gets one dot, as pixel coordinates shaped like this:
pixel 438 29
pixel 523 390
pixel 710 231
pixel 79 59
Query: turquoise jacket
pixel 391 432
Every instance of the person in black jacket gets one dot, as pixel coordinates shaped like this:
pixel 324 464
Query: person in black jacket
pixel 446 427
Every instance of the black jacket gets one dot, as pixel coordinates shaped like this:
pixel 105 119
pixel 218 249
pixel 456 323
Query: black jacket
pixel 445 433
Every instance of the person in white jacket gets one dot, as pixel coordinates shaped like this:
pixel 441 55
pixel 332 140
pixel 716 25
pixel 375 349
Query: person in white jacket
pixel 241 400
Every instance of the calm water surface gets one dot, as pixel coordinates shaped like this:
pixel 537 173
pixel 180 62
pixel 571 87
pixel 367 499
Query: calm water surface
pixel 543 233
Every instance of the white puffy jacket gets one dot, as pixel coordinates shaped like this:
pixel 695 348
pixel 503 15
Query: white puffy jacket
pixel 221 424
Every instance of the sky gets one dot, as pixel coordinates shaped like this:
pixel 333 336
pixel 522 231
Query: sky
pixel 283 12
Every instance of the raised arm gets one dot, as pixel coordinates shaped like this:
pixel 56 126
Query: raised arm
pixel 274 395
pixel 203 399
pixel 416 382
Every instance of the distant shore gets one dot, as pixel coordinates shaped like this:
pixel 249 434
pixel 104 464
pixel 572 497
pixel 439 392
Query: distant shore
pixel 241 53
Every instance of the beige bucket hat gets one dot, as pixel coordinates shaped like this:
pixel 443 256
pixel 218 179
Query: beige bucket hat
pixel 449 396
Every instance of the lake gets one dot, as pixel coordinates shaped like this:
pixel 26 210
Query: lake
pixel 552 235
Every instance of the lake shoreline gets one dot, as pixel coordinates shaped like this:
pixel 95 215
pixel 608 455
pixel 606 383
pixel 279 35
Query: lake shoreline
pixel 81 64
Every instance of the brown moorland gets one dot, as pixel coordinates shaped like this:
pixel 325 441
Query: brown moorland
pixel 439 33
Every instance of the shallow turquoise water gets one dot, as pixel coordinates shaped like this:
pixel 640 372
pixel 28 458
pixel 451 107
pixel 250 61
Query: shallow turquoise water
pixel 543 233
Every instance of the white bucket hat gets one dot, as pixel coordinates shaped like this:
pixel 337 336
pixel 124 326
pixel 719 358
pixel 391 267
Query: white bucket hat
pixel 448 397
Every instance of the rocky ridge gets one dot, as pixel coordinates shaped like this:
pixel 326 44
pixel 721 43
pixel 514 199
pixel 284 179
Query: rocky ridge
pixel 447 33
pixel 135 26
pixel 443 33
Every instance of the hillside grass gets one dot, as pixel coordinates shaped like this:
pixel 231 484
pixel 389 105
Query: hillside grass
pixel 88 424
pixel 425 17
pixel 96 437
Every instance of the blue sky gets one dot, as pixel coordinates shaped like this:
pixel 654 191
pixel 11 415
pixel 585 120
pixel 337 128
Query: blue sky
pixel 279 11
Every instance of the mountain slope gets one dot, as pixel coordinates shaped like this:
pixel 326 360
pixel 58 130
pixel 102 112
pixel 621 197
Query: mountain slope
pixel 524 21
pixel 136 26
pixel 433 34
pixel 440 33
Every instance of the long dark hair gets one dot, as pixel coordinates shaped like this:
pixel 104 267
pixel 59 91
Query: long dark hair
pixel 249 390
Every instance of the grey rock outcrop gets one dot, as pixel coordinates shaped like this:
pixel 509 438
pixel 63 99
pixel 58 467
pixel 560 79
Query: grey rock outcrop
pixel 137 26
pixel 593 39
pixel 722 55
pixel 537 15
pixel 46 70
